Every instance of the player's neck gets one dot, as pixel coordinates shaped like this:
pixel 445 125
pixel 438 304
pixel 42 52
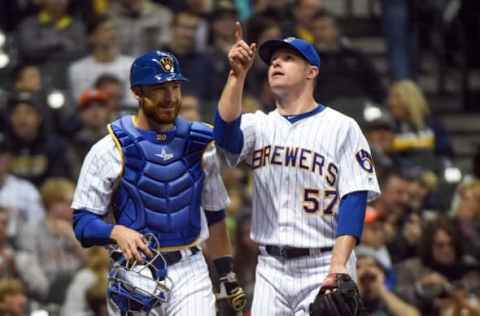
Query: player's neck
pixel 295 103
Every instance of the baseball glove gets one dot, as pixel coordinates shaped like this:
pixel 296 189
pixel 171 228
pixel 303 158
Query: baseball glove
pixel 338 296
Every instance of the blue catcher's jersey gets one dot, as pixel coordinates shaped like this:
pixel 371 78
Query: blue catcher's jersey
pixel 160 188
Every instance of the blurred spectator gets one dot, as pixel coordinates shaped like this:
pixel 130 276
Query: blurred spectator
pixel 421 192
pixel 29 82
pixel 378 298
pixel 201 8
pixel 52 34
pixel 379 133
pixel 27 78
pixel 19 264
pixel 18 196
pixel 406 242
pixel 7 253
pixel 400 37
pixel 223 20
pixel 142 25
pixel 346 72
pixel 393 203
pixel 90 9
pixel 113 88
pixel 87 291
pixel 303 17
pixel 104 58
pixel 438 269
pixel 52 241
pixel 13 12
pixel 190 109
pixel 195 65
pixel 468 178
pixel 279 11
pixel 37 154
pixel 374 238
pixel 467 217
pixel 419 137
pixel 94 114
pixel 13 301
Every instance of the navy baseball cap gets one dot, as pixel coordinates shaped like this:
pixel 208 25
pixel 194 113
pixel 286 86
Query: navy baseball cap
pixel 305 49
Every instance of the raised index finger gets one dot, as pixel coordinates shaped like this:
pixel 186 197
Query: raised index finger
pixel 238 32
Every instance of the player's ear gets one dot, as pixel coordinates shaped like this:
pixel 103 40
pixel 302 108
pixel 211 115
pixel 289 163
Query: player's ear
pixel 137 91
pixel 312 72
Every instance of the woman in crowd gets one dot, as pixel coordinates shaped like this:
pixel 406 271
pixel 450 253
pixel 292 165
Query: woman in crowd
pixel 419 138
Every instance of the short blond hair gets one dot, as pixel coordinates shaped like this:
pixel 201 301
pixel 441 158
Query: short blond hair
pixel 55 189
pixel 10 286
pixel 412 97
pixel 473 187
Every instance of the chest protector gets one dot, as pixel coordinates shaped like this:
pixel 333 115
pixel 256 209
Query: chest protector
pixel 160 189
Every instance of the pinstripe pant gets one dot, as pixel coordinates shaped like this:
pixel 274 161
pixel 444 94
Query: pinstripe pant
pixel 191 294
pixel 287 287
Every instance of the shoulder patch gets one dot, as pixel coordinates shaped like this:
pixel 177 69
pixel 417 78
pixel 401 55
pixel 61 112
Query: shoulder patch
pixel 365 160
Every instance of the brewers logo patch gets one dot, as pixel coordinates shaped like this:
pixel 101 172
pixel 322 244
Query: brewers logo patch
pixel 365 160
pixel 167 64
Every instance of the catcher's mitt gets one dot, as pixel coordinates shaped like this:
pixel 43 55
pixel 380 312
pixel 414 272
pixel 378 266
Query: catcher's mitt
pixel 338 296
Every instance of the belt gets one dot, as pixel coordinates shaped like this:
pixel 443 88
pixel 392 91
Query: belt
pixel 292 252
pixel 172 257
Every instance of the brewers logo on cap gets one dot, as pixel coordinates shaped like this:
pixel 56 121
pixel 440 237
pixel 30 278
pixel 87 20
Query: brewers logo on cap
pixel 167 64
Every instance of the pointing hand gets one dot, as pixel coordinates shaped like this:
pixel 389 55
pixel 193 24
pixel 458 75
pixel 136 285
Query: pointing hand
pixel 241 55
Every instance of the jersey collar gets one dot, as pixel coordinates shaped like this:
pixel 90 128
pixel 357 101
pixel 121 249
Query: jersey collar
pixel 297 117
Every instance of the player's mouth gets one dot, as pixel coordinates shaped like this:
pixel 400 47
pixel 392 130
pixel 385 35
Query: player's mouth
pixel 170 106
pixel 277 73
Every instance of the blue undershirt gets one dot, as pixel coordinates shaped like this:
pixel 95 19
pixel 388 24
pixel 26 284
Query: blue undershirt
pixel 351 214
pixel 228 136
pixel 92 230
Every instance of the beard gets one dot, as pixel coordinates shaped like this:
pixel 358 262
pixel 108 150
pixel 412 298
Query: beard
pixel 159 114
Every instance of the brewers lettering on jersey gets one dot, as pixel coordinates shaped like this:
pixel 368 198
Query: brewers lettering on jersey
pixel 313 175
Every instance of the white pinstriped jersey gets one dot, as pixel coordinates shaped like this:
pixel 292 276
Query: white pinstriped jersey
pixel 102 166
pixel 301 172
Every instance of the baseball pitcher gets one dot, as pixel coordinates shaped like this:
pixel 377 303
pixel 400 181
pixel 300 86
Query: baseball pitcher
pixel 313 176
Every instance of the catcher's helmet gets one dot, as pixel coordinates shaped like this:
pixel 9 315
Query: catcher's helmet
pixel 155 67
pixel 136 287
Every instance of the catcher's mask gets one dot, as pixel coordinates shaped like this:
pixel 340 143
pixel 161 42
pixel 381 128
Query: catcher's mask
pixel 134 286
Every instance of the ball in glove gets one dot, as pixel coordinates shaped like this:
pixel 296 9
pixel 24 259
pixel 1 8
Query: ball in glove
pixel 338 296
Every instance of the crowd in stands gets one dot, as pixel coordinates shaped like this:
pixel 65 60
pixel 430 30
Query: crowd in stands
pixel 68 77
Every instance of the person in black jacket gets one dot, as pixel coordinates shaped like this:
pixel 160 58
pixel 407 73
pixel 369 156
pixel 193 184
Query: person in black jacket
pixel 346 71
pixel 37 154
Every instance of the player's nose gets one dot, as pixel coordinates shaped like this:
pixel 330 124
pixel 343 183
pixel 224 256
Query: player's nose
pixel 275 62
